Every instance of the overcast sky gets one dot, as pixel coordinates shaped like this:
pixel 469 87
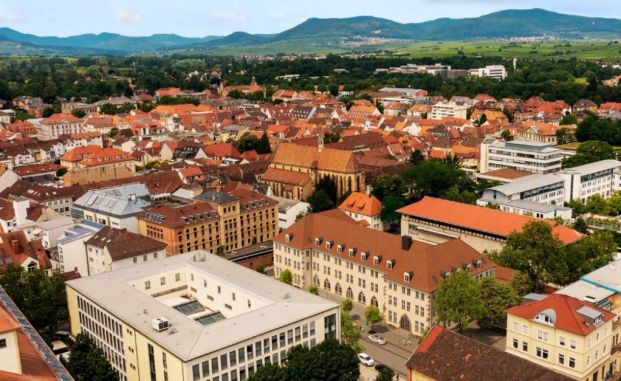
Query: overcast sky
pixel 209 17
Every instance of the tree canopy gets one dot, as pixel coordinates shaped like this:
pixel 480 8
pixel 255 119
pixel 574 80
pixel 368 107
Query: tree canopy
pixel 458 300
pixel 589 152
pixel 86 362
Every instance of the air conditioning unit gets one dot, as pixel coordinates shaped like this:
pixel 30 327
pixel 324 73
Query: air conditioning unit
pixel 160 324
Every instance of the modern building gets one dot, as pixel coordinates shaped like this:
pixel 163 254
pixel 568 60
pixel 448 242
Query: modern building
pixel 437 220
pixel 498 72
pixel 196 317
pixel 111 249
pixel 24 355
pixel 540 196
pixel 116 206
pixel 447 355
pixel 216 221
pixel 526 156
pixel 364 208
pixel 396 274
pixel 567 335
pixel 449 110
pixel 602 177
pixel 289 210
pixel 71 253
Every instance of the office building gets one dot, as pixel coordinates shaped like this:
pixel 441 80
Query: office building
pixel 519 155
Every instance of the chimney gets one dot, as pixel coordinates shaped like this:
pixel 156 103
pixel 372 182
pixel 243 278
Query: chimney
pixel 20 208
pixel 132 197
pixel 15 246
pixel 406 242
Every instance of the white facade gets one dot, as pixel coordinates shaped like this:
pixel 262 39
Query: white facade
pixel 289 210
pixel 448 109
pixel 9 352
pixel 71 247
pixel 520 155
pixel 602 177
pixel 100 261
pixel 492 71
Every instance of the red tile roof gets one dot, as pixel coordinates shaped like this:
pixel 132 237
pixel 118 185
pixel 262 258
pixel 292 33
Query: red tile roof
pixel 361 203
pixel 479 218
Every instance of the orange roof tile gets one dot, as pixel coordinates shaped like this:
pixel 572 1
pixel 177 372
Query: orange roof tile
pixel 361 203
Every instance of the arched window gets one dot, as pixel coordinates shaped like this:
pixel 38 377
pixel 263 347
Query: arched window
pixel 374 302
pixel 316 280
pixel 350 293
pixel 361 298
pixel 326 285
pixel 337 289
pixel 405 323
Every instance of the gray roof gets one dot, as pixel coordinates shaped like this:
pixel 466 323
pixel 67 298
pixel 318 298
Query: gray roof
pixel 216 197
pixel 593 167
pixel 527 205
pixel 121 201
pixel 527 145
pixel 528 183
pixel 586 291
pixel 277 304
pixel 79 231
pixel 608 277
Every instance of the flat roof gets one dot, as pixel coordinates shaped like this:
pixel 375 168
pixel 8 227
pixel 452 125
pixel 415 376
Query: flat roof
pixel 280 304
pixel 586 291
pixel 530 205
pixel 528 183
pixel 597 166
pixel 608 277
pixel 526 145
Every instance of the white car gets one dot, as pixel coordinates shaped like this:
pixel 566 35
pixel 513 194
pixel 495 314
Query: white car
pixel 366 359
pixel 377 339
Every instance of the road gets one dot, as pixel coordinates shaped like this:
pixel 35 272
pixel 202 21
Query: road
pixel 389 354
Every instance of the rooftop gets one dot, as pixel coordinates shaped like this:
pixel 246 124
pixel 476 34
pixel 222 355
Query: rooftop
pixel 597 166
pixel 275 304
pixel 608 277
pixel 123 200
pixel 529 183
pixel 527 145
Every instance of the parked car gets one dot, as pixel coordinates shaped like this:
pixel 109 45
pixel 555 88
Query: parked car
pixel 366 359
pixel 377 339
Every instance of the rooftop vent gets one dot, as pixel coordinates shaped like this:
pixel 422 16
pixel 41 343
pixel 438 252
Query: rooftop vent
pixel 160 324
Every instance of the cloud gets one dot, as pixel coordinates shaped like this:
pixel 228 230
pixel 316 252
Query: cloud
pixel 128 17
pixel 230 16
pixel 9 17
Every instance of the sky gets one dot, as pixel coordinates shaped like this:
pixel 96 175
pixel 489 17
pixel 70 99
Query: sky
pixel 199 18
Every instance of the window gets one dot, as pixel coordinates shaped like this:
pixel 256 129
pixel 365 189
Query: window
pixel 147 285
pixel 2 343
pixel 163 281
pixel 524 346
pixel 177 277
pixel 515 343
pixel 561 341
pixel 572 344
pixel 572 362
pixel 543 353
pixel 561 359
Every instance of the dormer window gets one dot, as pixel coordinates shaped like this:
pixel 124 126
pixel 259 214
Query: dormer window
pixel 318 241
pixel 547 316
pixel 364 255
pixel 288 237
pixel 390 264
pixel 377 259
pixel 352 251
pixel 479 263
pixel 329 245
pixel 339 248
pixel 407 276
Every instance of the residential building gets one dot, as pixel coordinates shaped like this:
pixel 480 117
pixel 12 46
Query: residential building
pixel 218 222
pixel 196 317
pixel 116 206
pixel 396 274
pixel 111 249
pixel 17 250
pixel 58 199
pixel 531 157
pixel 447 355
pixel 602 177
pixel 437 220
pixel 567 335
pixel 289 210
pixel 449 110
pixel 498 72
pixel 56 125
pixel 24 355
pixel 364 208
pixel 71 253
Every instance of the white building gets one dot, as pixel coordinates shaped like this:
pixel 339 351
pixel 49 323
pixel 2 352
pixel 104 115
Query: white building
pixel 289 210
pixel 116 207
pixel 196 316
pixel 519 155
pixel 602 177
pixel 71 248
pixel 448 109
pixel 492 71
pixel 112 249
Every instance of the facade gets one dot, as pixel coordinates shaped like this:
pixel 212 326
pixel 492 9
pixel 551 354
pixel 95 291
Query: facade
pixel 116 206
pixel 370 267
pixel 526 156
pixel 71 254
pixel 364 208
pixel 602 177
pixel 111 249
pixel 498 72
pixel 569 336
pixel 446 355
pixel 448 110
pixel 437 220
pixel 218 222
pixel 289 210
pixel 196 317
pixel 56 125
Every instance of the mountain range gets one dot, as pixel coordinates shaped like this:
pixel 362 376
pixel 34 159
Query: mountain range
pixel 324 33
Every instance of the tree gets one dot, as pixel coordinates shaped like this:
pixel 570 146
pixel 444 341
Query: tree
pixel 320 201
pixel 564 136
pixel 496 298
pixel 247 142
pixel 313 289
pixel 347 305
pixel 458 299
pixel 48 111
pixel 350 331
pixel 263 146
pixel 454 194
pixel 327 185
pixel 586 255
pixel 568 119
pixel 435 177
pixel 520 283
pixel 387 185
pixel 534 251
pixel 269 372
pixel 385 374
pixel 416 157
pixel 329 361
pixel 60 172
pixel 390 205
pixel 86 362
pixel 260 269
pixel 78 113
pixel 113 132
pixel 581 225
pixel 41 298
pixel 614 202
pixel 597 204
pixel 589 152
pixel 286 276
pixel 372 315
pixel 506 135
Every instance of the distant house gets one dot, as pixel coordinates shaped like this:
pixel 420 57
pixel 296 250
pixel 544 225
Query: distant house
pixel 364 208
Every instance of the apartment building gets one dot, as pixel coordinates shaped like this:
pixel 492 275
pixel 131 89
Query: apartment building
pixel 396 274
pixel 216 221
pixel 196 317
pixel 602 177
pixel 437 220
pixel 567 335
pixel 520 155
pixel 498 72
pixel 57 124
pixel 449 110
pixel 71 254
pixel 364 208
